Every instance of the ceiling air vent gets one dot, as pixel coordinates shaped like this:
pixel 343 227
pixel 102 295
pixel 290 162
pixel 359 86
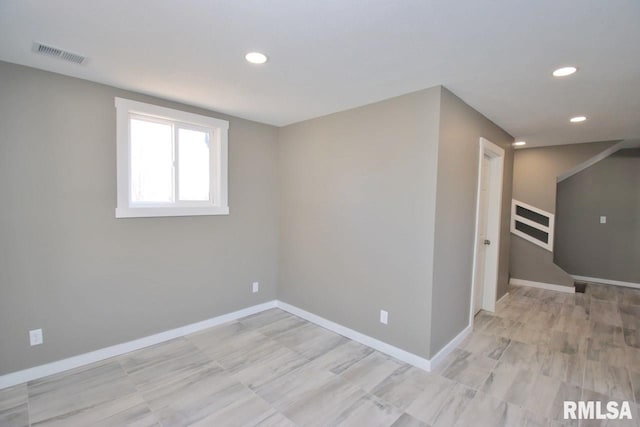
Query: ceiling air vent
pixel 43 49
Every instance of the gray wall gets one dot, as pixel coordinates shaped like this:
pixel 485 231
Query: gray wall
pixel 536 170
pixel 90 280
pixel 378 212
pixel 534 263
pixel 535 173
pixel 585 247
pixel 357 200
pixel 339 211
pixel 460 130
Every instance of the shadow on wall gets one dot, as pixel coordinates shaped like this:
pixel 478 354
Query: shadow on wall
pixel 535 176
pixel 597 219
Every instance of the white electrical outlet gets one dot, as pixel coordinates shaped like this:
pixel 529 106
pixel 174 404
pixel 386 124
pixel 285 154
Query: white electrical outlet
pixel 35 337
pixel 384 317
pixel 256 287
pixel 603 220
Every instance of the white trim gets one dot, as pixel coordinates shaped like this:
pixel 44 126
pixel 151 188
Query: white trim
pixel 170 211
pixel 529 222
pixel 494 211
pixel 598 157
pixel 607 281
pixel 527 237
pixel 47 369
pixel 542 285
pixel 374 343
pixel 436 360
pixel 217 204
pixel 169 113
pixel 502 297
pixel 398 353
pixel 550 229
pixel 73 362
pixel 534 209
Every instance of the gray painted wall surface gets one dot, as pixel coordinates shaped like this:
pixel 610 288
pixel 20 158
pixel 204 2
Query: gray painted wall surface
pixel 585 247
pixel 531 262
pixel 535 172
pixel 91 280
pixel 460 130
pixel 339 211
pixel 359 206
pixel 357 212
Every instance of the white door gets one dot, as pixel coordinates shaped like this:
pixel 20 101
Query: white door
pixel 481 251
pixel 487 234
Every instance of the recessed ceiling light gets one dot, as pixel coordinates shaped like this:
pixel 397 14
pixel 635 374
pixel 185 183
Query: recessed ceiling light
pixel 564 71
pixel 256 57
pixel 578 119
pixel 519 143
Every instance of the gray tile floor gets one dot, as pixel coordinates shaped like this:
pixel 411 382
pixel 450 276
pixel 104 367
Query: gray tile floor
pixel 274 369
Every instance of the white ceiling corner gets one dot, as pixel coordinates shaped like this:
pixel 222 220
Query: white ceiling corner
pixel 337 54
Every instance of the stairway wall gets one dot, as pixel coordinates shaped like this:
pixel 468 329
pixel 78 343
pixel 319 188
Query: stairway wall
pixel 535 173
pixel 584 246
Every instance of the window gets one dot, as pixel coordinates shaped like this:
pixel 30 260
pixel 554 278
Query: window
pixel 532 224
pixel 170 162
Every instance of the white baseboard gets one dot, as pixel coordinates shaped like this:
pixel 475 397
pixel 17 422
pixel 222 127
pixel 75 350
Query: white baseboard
pixel 58 366
pixel 541 285
pixel 439 357
pixel 502 297
pixel 607 281
pixel 398 353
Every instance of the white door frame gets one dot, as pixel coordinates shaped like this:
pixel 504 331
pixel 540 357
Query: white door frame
pixel 494 213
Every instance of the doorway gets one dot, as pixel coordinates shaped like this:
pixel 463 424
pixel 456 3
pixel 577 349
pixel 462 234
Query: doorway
pixel 487 238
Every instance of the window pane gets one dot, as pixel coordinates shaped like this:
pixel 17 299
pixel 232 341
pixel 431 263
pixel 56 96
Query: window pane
pixel 193 168
pixel 151 161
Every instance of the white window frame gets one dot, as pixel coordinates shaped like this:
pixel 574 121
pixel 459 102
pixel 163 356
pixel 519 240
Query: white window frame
pixel 517 218
pixel 218 165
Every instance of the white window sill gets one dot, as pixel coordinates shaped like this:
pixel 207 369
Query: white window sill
pixel 170 211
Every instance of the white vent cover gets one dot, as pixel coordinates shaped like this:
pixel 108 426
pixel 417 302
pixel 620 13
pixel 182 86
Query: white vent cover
pixel 43 49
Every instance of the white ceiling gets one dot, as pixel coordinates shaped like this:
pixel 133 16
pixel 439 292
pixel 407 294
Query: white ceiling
pixel 331 55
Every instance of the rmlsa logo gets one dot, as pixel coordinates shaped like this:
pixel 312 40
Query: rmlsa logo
pixel 595 410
